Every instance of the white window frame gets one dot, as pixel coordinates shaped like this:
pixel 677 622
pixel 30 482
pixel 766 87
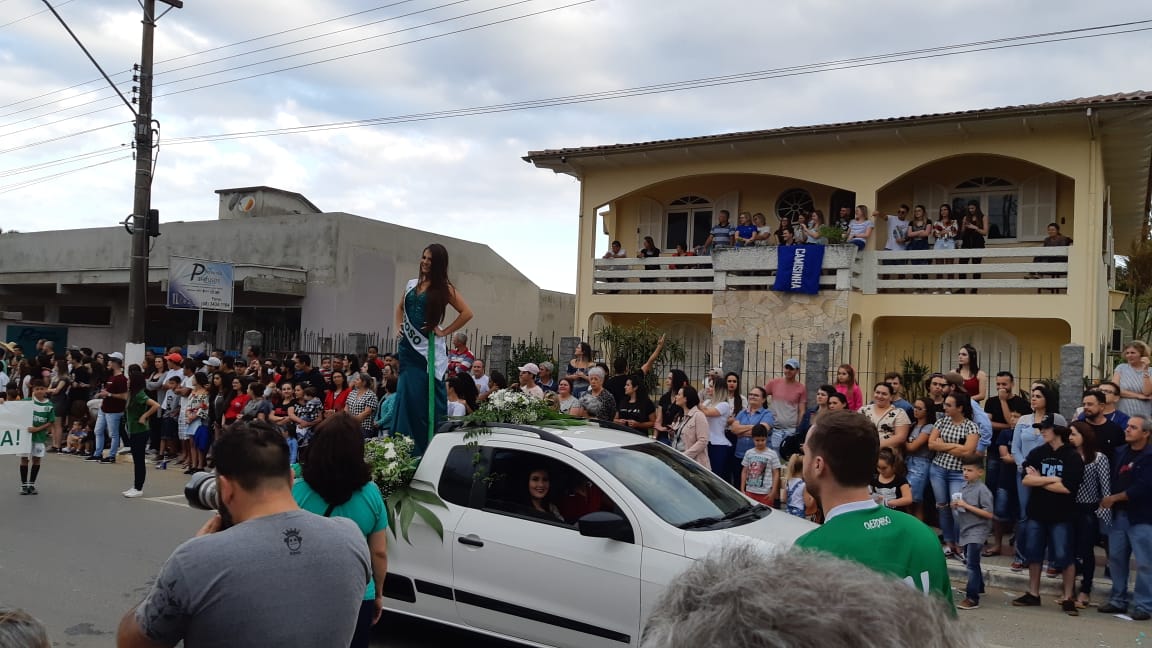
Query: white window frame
pixel 690 204
pixel 983 194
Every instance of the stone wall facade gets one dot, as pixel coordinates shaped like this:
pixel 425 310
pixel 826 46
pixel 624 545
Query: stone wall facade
pixel 744 314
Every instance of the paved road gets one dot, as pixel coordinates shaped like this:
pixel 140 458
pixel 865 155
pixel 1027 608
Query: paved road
pixel 79 555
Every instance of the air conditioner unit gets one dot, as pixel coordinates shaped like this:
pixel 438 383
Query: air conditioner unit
pixel 1117 341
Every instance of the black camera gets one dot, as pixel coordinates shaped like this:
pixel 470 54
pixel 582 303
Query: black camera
pixel 202 492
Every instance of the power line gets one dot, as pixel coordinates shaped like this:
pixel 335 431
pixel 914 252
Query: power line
pixel 62 137
pixel 60 4
pixel 72 158
pixel 205 51
pixel 675 86
pixel 294 67
pixel 28 183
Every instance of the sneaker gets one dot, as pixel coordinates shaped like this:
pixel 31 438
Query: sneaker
pixel 24 490
pixel 1069 607
pixel 967 604
pixel 93 457
pixel 947 292
pixel 132 492
pixel 1108 608
pixel 1016 566
pixel 124 450
pixel 1140 615
pixel 1027 600
pixel 162 465
pixel 32 491
pixel 108 460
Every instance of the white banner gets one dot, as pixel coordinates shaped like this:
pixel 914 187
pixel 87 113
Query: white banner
pixel 196 284
pixel 15 419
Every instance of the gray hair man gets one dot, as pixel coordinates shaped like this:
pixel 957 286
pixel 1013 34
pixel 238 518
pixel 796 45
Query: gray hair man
pixel 813 601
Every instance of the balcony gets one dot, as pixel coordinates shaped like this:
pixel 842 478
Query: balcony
pixel 1001 270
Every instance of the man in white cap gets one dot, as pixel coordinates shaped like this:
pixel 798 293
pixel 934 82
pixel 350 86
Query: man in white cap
pixel 789 398
pixel 528 374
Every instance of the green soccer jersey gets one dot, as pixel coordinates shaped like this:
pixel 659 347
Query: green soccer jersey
pixel 42 412
pixel 887 541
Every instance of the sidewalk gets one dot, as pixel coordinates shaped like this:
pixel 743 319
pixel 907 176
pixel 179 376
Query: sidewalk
pixel 998 573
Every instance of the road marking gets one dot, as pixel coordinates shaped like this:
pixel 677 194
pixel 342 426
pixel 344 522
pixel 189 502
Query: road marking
pixel 171 500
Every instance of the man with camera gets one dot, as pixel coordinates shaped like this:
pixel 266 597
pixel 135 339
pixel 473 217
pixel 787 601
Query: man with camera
pixel 262 572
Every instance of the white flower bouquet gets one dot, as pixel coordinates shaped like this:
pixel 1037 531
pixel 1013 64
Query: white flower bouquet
pixel 393 467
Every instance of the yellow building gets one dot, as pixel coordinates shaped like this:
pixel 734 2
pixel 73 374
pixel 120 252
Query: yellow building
pixel 1083 164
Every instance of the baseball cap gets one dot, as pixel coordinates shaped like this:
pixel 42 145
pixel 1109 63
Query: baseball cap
pixel 117 356
pixel 530 368
pixel 1051 420
pixel 213 362
pixel 791 363
pixel 174 357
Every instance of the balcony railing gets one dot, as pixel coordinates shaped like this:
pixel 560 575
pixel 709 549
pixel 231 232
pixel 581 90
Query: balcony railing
pixel 1004 270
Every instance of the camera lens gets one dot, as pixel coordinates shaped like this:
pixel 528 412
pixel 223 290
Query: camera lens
pixel 201 493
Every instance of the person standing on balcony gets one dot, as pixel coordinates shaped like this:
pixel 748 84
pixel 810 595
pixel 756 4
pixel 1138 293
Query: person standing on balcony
pixel 944 230
pixel 615 251
pixel 860 229
pixel 746 230
pixel 721 234
pixel 788 399
pixel 973 230
pixel 1135 381
pixel 897 227
pixel 919 231
pixel 811 229
pixel 763 234
pixel 649 251
pixel 975 378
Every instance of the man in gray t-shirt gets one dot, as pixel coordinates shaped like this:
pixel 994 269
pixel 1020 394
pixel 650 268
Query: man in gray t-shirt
pixel 280 577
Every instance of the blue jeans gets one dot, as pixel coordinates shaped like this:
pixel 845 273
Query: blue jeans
pixel 1124 540
pixel 975 574
pixel 1051 538
pixel 918 469
pixel 109 423
pixel 293 449
pixel 944 483
pixel 1004 504
pixel 718 458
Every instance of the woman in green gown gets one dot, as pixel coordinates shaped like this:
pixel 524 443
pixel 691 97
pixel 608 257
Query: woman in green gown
pixel 421 396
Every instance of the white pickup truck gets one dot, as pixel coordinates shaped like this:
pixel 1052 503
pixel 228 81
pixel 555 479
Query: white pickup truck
pixel 564 536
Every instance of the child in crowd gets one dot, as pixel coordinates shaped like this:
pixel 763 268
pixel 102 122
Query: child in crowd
pixel 12 393
pixel 169 422
pixel 889 486
pixel 973 510
pixel 798 501
pixel 43 415
pixel 760 477
pixel 76 436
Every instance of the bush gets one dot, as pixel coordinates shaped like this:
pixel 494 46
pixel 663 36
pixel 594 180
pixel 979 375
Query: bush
pixel 524 352
pixel 912 376
pixel 635 344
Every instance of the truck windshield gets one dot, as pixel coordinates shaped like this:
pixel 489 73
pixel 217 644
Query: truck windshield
pixel 682 492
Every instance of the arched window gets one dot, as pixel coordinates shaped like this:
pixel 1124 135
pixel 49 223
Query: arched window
pixel 794 204
pixel 689 221
pixel 998 198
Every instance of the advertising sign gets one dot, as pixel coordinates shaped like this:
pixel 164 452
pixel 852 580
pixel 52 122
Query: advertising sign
pixel 15 419
pixel 196 284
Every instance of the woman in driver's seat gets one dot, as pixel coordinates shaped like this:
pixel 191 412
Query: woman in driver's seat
pixel 540 504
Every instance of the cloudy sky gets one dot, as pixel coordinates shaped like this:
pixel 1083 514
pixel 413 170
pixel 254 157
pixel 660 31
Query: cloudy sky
pixel 464 176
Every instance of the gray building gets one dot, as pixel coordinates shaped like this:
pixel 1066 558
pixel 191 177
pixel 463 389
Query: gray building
pixel 296 268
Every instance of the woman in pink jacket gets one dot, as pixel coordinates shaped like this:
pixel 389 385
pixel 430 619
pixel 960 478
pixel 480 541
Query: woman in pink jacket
pixel 690 431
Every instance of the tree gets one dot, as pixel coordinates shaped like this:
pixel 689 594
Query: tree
pixel 1134 276
pixel 636 344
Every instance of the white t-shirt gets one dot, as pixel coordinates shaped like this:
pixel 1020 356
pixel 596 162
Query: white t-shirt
pixel 897 229
pixel 456 408
pixel 716 424
pixel 481 384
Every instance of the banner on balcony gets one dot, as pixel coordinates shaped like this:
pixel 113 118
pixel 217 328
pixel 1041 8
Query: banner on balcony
pixel 798 269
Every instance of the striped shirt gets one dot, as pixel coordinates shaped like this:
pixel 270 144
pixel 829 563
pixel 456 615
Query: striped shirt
pixel 43 411
pixel 1096 486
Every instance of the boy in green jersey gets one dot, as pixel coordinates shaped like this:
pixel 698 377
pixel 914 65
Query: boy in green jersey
pixel 840 454
pixel 43 414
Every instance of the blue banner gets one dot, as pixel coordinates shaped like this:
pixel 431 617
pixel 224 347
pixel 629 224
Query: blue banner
pixel 798 269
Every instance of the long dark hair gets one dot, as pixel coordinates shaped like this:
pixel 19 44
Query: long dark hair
pixel 973 359
pixel 1090 446
pixel 336 468
pixel 438 286
pixel 978 216
pixel 465 389
pixel 639 388
pixel 737 399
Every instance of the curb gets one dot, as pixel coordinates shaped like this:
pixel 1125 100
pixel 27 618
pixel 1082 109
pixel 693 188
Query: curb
pixel 1005 578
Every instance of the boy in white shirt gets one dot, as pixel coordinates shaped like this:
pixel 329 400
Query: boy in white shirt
pixel 760 476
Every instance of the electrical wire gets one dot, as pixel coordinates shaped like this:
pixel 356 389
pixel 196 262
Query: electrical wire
pixel 28 183
pixel 61 137
pixel 72 158
pixel 676 86
pixel 60 4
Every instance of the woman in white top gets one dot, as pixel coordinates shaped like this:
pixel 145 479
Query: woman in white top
pixel 860 228
pixel 564 398
pixel 892 424
pixel 717 412
pixel 1134 380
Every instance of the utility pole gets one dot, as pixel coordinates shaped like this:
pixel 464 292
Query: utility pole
pixel 142 200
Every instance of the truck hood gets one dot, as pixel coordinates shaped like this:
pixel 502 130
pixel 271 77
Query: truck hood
pixel 778 529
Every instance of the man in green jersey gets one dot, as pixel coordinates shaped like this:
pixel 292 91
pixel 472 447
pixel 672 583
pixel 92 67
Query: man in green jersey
pixel 840 455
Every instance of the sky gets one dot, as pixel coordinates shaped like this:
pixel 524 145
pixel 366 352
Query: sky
pixel 464 176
